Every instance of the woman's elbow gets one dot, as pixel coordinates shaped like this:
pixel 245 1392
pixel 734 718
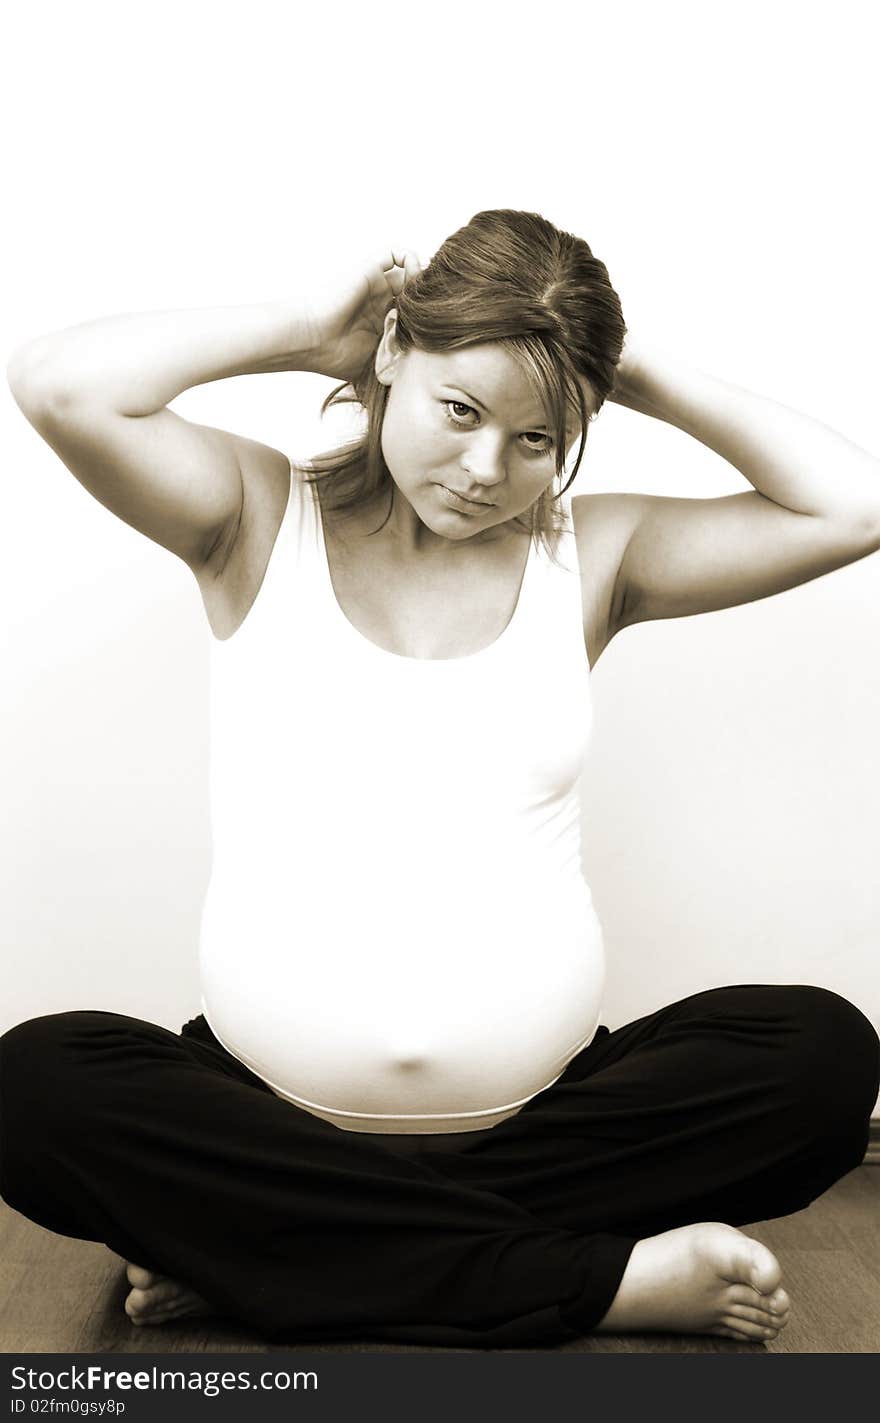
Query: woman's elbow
pixel 38 383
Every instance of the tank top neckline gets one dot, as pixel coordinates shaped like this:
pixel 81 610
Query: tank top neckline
pixel 341 618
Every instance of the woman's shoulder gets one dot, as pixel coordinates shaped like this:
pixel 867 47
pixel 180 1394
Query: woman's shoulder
pixel 605 519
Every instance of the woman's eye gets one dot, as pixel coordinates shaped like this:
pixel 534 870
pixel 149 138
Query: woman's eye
pixel 538 441
pixel 458 412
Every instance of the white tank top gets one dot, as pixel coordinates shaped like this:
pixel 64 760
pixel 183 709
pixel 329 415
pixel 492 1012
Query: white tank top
pixel 397 934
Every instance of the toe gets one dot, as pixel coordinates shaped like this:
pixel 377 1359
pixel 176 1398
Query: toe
pixel 751 1299
pixel 741 1260
pixel 760 1317
pixel 778 1302
pixel 173 1311
pixel 141 1277
pixel 143 1304
pixel 163 1293
pixel 171 1307
pixel 764 1271
pixel 135 1302
pixel 753 1333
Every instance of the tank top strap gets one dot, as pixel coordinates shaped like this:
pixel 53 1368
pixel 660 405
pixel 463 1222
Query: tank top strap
pixel 314 598
pixel 548 613
pixel 298 554
pixel 299 525
pixel 551 599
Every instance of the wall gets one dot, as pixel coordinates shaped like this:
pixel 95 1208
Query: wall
pixel 719 164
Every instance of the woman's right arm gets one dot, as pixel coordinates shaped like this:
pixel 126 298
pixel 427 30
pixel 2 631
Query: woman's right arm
pixel 97 393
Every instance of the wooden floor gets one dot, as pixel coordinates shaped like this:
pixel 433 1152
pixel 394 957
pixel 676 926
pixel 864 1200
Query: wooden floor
pixel 65 1296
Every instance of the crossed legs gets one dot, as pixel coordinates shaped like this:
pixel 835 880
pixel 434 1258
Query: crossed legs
pixel 587 1210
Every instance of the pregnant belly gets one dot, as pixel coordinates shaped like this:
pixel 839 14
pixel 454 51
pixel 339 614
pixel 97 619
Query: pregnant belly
pixel 376 1026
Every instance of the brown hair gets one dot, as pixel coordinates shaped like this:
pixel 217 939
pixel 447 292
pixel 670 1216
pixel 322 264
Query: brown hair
pixel 510 277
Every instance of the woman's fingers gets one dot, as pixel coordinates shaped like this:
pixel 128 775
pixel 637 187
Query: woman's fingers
pixel 410 262
pixel 399 267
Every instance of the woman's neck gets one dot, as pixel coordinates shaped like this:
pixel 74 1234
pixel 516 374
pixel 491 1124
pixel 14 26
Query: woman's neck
pixel 395 525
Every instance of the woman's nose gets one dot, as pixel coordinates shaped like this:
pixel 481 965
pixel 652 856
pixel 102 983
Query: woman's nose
pixel 483 459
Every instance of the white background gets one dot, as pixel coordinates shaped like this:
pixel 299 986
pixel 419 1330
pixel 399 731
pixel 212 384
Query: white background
pixel 721 159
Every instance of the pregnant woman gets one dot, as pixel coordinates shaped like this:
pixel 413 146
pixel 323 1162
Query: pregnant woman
pixel 397 1115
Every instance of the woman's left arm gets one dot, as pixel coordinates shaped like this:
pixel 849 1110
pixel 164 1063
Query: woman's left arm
pixel 815 505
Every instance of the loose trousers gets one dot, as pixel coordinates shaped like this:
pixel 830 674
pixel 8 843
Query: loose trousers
pixel 734 1105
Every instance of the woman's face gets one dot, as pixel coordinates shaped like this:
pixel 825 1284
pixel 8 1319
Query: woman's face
pixel 464 435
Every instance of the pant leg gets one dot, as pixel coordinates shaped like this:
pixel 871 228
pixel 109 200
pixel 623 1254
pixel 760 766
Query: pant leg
pixel 172 1153
pixel 738 1104
pixel 734 1105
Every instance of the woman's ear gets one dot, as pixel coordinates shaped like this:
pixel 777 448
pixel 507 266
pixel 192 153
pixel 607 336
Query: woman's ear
pixel 389 352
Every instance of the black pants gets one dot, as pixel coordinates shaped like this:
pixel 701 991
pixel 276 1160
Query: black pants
pixel 734 1105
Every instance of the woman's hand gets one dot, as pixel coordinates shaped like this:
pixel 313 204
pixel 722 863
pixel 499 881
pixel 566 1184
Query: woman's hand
pixel 342 325
pixel 629 378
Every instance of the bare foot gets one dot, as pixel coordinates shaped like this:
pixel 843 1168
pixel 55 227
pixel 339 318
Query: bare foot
pixel 700 1279
pixel 155 1299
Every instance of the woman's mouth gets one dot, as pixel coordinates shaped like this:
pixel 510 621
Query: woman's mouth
pixel 462 504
